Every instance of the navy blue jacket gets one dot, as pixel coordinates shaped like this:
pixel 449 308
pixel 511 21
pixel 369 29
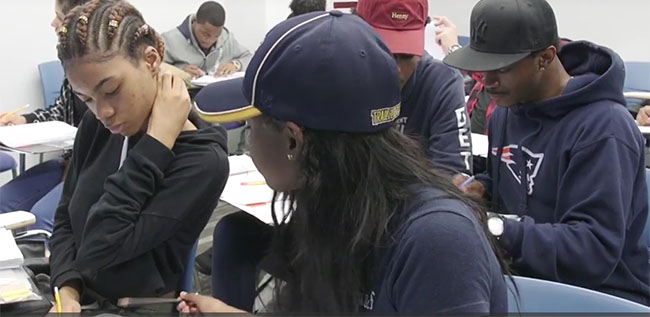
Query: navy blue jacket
pixel 441 261
pixel 584 202
pixel 434 112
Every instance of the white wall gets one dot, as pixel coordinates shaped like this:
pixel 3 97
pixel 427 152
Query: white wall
pixel 622 25
pixel 28 39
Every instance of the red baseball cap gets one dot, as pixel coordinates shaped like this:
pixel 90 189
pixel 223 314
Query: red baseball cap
pixel 400 23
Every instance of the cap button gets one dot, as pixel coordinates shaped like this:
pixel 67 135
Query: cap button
pixel 336 13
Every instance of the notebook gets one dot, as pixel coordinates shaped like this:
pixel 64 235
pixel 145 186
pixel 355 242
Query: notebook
pixel 10 255
pixel 208 79
pixel 41 133
pixel 247 190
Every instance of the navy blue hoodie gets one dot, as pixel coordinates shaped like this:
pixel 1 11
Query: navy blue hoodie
pixel 584 204
pixel 441 261
pixel 434 112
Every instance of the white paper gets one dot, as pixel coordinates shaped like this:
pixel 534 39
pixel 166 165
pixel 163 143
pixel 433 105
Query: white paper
pixel 208 79
pixel 644 129
pixel 22 135
pixel 246 189
pixel 480 145
pixel 430 44
pixel 10 255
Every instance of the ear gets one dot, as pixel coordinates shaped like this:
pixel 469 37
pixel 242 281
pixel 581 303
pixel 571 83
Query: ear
pixel 295 138
pixel 152 59
pixel 547 56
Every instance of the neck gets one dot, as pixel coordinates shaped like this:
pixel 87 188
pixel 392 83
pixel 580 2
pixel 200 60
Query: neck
pixel 557 79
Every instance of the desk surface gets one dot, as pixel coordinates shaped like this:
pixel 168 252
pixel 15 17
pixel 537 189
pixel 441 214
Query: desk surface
pixel 40 148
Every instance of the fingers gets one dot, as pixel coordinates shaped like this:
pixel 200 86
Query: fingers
pixel 458 179
pixel 442 21
pixel 643 117
pixel 639 119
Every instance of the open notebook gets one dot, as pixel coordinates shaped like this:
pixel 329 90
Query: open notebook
pixel 246 189
pixel 42 133
pixel 208 79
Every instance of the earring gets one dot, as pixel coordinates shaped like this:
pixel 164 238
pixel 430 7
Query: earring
pixel 290 157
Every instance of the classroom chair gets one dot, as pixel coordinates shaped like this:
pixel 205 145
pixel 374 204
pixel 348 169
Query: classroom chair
pixel 51 81
pixel 463 40
pixel 540 296
pixel 187 281
pixel 646 233
pixel 7 162
pixel 637 85
pixel 637 76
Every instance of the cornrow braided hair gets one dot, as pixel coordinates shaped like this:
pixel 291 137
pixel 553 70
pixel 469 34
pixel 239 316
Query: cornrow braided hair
pixel 106 28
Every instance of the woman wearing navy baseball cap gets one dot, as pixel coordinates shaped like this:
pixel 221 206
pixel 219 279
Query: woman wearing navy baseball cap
pixel 373 227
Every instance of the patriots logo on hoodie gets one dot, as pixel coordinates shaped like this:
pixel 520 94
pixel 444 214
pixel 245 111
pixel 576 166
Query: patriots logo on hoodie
pixel 531 163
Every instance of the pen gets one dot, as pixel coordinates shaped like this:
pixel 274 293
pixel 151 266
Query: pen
pixel 467 182
pixel 57 300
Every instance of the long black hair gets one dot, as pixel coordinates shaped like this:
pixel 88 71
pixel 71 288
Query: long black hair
pixel 346 210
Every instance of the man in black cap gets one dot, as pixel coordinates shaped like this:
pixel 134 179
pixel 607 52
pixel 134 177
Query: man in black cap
pixel 566 159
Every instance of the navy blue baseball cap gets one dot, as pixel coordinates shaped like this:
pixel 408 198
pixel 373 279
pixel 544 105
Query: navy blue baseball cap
pixel 322 70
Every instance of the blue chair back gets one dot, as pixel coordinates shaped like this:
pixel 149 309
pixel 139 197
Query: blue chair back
pixel 187 280
pixel 7 163
pixel 463 40
pixel 539 296
pixel 646 233
pixel 51 81
pixel 637 76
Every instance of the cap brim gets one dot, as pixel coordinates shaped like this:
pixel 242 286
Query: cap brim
pixel 224 102
pixel 403 41
pixel 471 60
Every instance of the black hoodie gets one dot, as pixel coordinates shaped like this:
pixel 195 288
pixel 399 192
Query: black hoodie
pixel 128 231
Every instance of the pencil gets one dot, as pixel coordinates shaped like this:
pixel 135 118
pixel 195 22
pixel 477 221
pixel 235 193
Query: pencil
pixel 254 183
pixel 11 113
pixel 257 204
pixel 57 300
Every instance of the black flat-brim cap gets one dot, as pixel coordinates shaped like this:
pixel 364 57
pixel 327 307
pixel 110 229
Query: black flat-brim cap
pixel 469 59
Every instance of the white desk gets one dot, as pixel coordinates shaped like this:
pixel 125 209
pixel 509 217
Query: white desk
pixel 637 94
pixel 38 149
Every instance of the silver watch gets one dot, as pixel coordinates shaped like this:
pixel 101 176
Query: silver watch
pixel 496 225
pixel 454 48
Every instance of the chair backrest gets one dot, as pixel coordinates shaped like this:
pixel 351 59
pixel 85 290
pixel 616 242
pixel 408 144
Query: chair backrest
pixel 7 162
pixel 463 40
pixel 646 233
pixel 51 81
pixel 539 296
pixel 637 76
pixel 187 280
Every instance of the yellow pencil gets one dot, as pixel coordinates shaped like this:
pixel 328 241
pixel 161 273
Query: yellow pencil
pixel 57 300
pixel 14 112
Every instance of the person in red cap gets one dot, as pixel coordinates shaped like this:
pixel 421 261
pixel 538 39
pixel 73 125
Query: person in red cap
pixel 433 98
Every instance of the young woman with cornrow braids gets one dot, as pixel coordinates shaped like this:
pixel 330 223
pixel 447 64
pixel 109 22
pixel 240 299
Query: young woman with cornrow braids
pixel 146 173
pixel 39 188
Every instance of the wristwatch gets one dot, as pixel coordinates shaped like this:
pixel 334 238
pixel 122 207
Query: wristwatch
pixel 496 224
pixel 237 64
pixel 454 48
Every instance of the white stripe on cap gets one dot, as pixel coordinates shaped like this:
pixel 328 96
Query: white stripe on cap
pixel 257 73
